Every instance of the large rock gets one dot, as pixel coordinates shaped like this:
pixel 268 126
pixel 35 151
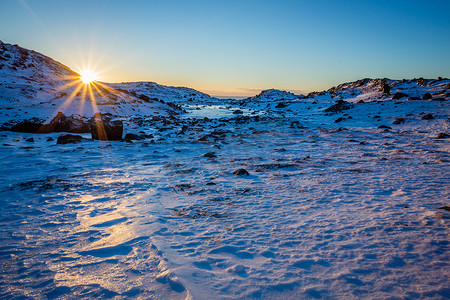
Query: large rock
pixel 62 123
pixel 103 128
pixel 385 88
pixel 30 126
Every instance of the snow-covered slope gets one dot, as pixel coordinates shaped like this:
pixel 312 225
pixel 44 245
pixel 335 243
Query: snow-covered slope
pixel 178 95
pixel 34 85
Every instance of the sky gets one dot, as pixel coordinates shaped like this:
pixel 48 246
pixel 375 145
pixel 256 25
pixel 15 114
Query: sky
pixel 237 48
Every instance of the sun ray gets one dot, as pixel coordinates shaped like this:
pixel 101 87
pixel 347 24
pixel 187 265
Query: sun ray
pixel 97 89
pixel 98 121
pixel 62 108
pixel 68 85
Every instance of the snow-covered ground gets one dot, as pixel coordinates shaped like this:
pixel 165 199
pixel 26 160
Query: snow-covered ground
pixel 338 204
pixel 339 210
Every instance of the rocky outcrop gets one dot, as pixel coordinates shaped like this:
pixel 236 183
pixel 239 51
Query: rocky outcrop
pixel 62 123
pixel 29 126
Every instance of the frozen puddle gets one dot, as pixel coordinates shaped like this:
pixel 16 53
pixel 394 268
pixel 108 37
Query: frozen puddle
pixel 217 111
pixel 324 213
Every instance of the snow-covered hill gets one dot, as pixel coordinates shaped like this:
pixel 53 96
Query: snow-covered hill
pixel 364 90
pixel 154 91
pixel 272 95
pixel 34 85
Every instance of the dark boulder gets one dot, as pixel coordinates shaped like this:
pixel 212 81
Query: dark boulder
pixel 426 96
pixel 385 88
pixel 427 117
pixel 132 136
pixel 339 120
pixel 442 135
pixel 63 123
pixel 384 127
pixel 399 121
pixel 30 140
pixel 447 87
pixel 296 124
pixel 241 172
pixel 210 155
pixel 339 106
pixel 399 95
pixel 105 129
pixel 29 126
pixel 69 139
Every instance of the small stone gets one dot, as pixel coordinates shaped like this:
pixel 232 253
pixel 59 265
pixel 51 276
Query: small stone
pixel 413 98
pixel 399 121
pixel 384 127
pixel 132 136
pixel 399 95
pixel 31 140
pixel 241 172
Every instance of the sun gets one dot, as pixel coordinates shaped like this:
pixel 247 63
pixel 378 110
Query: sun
pixel 87 76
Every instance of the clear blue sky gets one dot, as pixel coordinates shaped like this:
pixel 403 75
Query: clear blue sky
pixel 237 47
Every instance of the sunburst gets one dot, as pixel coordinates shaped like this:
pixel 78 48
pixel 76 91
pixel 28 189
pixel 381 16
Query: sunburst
pixel 88 76
pixel 86 87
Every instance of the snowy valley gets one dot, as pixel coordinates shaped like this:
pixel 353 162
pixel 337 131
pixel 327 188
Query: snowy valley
pixel 338 194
